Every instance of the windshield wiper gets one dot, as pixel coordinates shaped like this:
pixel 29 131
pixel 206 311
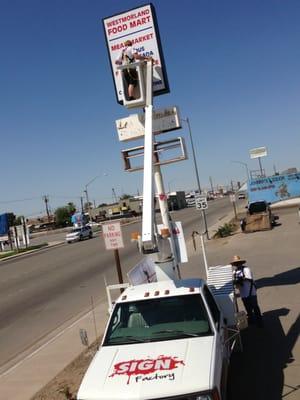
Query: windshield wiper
pixel 131 339
pixel 176 331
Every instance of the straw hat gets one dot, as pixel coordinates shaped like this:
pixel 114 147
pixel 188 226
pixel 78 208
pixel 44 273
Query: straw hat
pixel 236 260
pixel 128 43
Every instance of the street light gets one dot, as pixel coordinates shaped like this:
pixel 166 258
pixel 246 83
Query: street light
pixel 196 170
pixel 245 165
pixel 193 150
pixel 86 191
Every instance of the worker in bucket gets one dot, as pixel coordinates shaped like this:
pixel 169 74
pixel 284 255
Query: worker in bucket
pixel 126 57
pixel 243 280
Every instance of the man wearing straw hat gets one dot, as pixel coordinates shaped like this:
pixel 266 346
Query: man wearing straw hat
pixel 243 280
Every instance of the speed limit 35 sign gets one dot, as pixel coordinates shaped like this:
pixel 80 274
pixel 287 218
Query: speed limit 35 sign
pixel 201 203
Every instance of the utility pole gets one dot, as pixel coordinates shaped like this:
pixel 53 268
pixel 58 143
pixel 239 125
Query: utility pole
pixel 46 200
pixel 196 171
pixel 260 167
pixel 81 202
pixel 87 199
pixel 115 199
pixel 211 185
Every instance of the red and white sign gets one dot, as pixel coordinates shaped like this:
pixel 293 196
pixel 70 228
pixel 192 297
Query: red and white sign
pixel 179 241
pixel 146 366
pixel 112 235
pixel 138 25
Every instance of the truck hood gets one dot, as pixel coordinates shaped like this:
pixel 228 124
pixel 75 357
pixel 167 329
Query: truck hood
pixel 149 370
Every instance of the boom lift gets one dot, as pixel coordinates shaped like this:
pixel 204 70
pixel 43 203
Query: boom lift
pixel 169 338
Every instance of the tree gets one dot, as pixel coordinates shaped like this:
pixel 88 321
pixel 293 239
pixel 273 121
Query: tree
pixel 125 196
pixel 71 207
pixel 63 214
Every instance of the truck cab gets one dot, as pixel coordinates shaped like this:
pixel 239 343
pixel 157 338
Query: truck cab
pixel 164 339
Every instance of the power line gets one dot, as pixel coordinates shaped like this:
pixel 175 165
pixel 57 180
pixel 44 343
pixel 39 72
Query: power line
pixel 19 200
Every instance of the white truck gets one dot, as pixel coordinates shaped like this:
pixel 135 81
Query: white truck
pixel 164 340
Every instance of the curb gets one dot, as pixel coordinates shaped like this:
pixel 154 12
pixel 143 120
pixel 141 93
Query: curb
pixel 30 252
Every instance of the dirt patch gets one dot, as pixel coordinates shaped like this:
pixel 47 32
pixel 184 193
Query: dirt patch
pixel 66 384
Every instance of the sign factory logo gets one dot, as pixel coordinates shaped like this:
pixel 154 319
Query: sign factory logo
pixel 148 369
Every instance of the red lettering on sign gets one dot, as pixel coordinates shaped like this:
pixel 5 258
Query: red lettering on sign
pixel 145 366
pixel 139 22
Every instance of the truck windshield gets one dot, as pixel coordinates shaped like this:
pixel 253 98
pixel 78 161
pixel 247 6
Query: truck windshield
pixel 152 320
pixel 257 207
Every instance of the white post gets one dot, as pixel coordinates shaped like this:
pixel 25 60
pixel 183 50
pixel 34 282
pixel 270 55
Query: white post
pixel 148 239
pixel 163 205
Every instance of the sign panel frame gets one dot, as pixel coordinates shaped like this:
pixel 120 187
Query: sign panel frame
pixel 139 25
pixel 133 127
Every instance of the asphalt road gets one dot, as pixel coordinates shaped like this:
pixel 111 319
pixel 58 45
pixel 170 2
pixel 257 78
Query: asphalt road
pixel 44 292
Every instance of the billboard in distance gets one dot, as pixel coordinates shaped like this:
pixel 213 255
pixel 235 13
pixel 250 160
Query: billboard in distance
pixel 140 26
pixel 258 152
pixel 274 188
pixel 4 224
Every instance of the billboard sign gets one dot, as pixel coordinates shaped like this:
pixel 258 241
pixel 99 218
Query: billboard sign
pixel 79 219
pixel 274 188
pixel 133 127
pixel 140 26
pixel 258 152
pixel 4 224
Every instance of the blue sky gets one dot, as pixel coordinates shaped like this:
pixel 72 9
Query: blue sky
pixel 233 69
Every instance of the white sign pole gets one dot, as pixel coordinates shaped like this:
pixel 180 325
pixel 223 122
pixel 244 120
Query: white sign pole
pixel 148 239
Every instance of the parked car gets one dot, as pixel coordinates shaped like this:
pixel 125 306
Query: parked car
pixel 241 196
pixel 77 234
